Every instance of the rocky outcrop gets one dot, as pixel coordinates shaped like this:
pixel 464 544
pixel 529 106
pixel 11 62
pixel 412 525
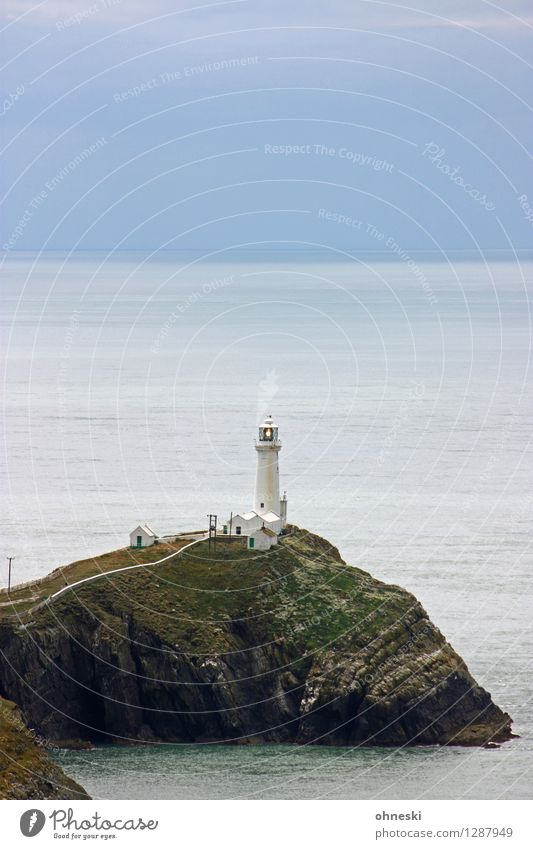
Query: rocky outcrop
pixel 26 770
pixel 290 645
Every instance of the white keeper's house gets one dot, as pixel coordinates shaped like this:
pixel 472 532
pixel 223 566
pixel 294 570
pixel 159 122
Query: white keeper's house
pixel 263 524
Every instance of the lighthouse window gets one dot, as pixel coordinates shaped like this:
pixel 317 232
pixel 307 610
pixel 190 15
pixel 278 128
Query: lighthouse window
pixel 262 504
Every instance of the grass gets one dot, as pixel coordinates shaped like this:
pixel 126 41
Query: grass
pixel 301 591
pixel 26 772
pixel 22 599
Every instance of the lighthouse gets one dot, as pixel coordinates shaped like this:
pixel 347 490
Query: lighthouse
pixel 267 446
pixel 268 518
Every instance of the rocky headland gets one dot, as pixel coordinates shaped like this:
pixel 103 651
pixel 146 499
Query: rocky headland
pixel 230 645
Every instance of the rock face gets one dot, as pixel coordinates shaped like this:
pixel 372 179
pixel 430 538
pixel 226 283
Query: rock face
pixel 290 645
pixel 26 771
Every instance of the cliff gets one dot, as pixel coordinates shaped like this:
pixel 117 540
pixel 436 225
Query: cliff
pixel 290 645
pixel 26 771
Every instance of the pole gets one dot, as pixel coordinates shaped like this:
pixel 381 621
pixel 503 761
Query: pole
pixel 230 524
pixel 213 518
pixel 9 575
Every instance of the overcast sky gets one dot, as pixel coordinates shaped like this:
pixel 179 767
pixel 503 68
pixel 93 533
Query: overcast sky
pixel 341 126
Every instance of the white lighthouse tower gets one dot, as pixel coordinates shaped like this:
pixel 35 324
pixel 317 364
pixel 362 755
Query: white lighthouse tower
pixel 268 446
pixel 263 524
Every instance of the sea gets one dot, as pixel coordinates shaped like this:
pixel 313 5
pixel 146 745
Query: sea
pixel 133 387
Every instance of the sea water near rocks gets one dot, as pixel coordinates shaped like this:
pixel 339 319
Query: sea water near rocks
pixel 403 395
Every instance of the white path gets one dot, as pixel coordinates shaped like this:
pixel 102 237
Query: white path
pixel 123 569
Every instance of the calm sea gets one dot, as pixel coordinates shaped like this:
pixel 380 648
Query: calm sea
pixel 403 395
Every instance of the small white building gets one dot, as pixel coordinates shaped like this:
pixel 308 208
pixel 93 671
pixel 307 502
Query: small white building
pixel 142 536
pixel 242 523
pixel 246 523
pixel 262 539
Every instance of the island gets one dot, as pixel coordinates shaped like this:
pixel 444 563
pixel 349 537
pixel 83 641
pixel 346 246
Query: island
pixel 219 642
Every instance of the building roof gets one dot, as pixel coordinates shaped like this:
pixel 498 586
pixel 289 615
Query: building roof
pixel 251 514
pixel 267 531
pixel 269 516
pixel 146 529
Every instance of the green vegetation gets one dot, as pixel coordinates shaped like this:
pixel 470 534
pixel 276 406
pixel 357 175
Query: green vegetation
pixel 26 771
pixel 300 591
pixel 26 597
pixel 289 645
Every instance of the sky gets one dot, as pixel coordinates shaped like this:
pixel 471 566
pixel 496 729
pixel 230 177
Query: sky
pixel 223 128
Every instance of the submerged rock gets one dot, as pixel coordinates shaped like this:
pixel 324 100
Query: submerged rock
pixel 290 645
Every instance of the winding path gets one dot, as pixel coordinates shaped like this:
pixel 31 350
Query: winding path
pixel 122 569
